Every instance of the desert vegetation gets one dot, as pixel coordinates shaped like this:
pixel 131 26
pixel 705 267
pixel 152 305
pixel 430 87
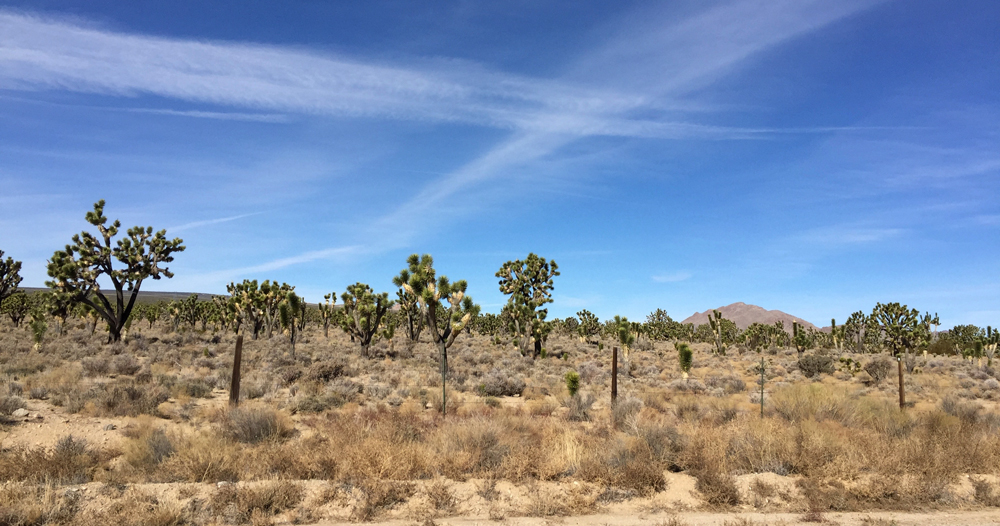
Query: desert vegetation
pixel 116 410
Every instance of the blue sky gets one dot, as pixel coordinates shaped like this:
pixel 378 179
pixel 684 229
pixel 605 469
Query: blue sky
pixel 810 156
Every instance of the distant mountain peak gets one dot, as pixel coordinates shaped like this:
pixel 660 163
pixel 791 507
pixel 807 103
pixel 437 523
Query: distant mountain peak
pixel 743 315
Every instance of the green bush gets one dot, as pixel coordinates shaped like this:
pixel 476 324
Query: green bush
pixel 815 364
pixel 572 382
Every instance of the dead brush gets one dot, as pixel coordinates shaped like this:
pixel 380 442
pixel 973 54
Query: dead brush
pixel 377 496
pixel 441 496
pixel 254 424
pixel 238 503
pixel 30 504
pixel 134 508
pixel 984 492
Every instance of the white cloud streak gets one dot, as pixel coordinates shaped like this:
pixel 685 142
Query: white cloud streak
pixel 672 278
pixel 206 222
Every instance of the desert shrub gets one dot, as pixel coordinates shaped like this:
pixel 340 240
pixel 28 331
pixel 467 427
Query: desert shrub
pixel 815 364
pixel 15 389
pixel 378 391
pixel 377 496
pixel 501 383
pixel 968 412
pixel 346 389
pixel 579 407
pixel 878 369
pixel 134 508
pixel 11 403
pixel 237 503
pixel 96 365
pixel 36 505
pixel 690 385
pixel 730 384
pixel 38 393
pixel 591 371
pixel 326 371
pixel 195 388
pixel 984 492
pixel 797 402
pixel 626 464
pixel 125 364
pixel 250 390
pixel 319 403
pixel 624 411
pixel 127 399
pixel 665 444
pixel 250 425
pixel 440 495
pixel 148 447
pixel 70 461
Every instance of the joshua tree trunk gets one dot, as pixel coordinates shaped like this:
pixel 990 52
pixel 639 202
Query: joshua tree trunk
pixel 902 395
pixel 443 347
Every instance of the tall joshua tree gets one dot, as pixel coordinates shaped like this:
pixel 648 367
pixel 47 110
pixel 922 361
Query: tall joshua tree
pixel 432 293
pixel 408 306
pixel 141 253
pixel 589 326
pixel 715 322
pixel 529 285
pixel 901 332
pixel 326 312
pixel 291 312
pixel 363 313
pixel 9 276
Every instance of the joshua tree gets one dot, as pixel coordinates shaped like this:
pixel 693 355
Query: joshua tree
pixel 685 358
pixel 363 310
pixel 246 306
pixel 291 311
pixel 16 307
pixel 408 306
pixel 801 338
pixel 59 305
pixel 430 291
pixel 836 334
pixel 715 322
pixel 326 312
pixel 271 296
pixel 38 328
pixel 901 332
pixel 529 285
pixel 624 334
pixel 75 271
pixel 589 326
pixel 9 276
pixel 989 344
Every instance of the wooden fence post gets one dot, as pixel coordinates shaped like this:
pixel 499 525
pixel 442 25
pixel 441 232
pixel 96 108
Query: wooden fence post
pixel 234 387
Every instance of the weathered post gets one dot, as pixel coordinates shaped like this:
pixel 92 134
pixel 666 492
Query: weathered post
pixel 614 376
pixel 902 395
pixel 762 387
pixel 234 387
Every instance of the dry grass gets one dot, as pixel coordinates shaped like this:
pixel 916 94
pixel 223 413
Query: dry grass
pixel 373 426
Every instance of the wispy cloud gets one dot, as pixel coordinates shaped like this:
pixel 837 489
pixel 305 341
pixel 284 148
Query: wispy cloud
pixel 220 115
pixel 38 53
pixel 673 277
pixel 206 222
pixel 841 235
pixel 649 68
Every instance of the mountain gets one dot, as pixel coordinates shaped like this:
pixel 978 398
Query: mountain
pixel 144 296
pixel 743 315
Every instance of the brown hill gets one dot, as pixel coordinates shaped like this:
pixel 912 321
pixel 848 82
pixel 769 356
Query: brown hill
pixel 743 315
